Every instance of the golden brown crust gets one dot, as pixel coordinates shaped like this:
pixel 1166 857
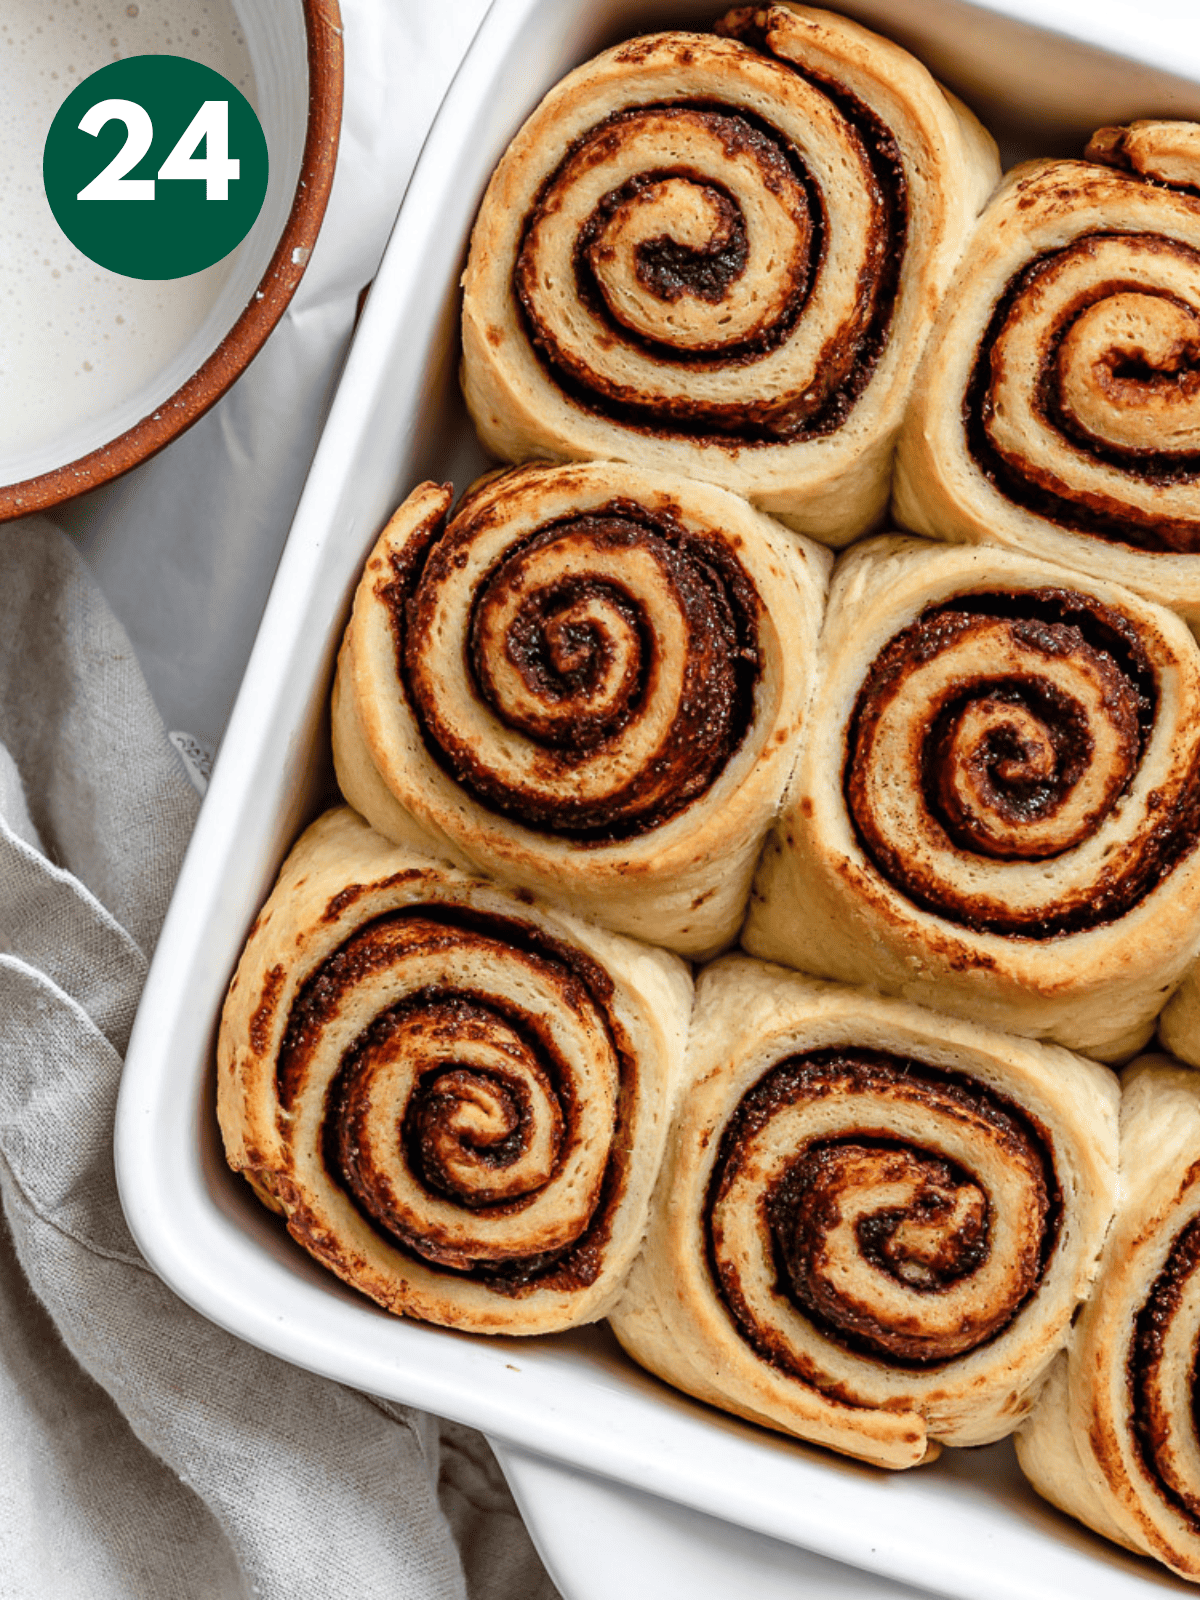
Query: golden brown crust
pixel 1057 408
pixel 1179 1023
pixel 1114 1442
pixel 457 1098
pixel 716 256
pixel 874 1223
pixel 591 682
pixel 997 808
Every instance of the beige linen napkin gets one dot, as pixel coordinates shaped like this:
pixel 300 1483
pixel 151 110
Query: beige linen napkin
pixel 145 1452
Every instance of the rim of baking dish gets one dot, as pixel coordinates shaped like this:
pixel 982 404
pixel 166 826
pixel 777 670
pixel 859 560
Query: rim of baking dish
pixel 635 1429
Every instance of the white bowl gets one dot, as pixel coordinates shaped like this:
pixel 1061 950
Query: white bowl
pixel 88 427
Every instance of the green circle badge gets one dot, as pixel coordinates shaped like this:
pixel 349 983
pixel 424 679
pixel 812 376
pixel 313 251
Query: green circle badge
pixel 155 167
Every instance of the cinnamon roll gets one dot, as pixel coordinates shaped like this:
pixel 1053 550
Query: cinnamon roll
pixel 1114 1440
pixel 873 1224
pixel 997 805
pixel 1057 410
pixel 589 682
pixel 457 1099
pixel 1179 1024
pixel 716 256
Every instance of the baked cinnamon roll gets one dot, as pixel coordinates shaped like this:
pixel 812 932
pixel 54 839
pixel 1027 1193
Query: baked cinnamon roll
pixel 1179 1024
pixel 997 805
pixel 716 256
pixel 1057 410
pixel 589 682
pixel 457 1099
pixel 873 1224
pixel 1114 1438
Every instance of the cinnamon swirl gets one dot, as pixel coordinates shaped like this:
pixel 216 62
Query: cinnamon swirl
pixel 1114 1439
pixel 874 1223
pixel 1057 409
pixel 716 256
pixel 997 806
pixel 457 1099
pixel 589 682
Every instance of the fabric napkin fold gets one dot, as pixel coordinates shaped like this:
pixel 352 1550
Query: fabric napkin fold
pixel 148 1453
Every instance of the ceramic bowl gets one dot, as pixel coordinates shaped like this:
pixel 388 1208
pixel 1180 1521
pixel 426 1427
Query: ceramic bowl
pixel 294 51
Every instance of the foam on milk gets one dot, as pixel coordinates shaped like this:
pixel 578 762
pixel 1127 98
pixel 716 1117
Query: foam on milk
pixel 76 340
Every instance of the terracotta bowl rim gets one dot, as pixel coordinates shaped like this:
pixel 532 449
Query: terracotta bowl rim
pixel 323 28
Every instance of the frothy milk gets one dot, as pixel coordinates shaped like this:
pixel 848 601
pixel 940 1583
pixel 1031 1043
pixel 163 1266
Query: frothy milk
pixel 77 341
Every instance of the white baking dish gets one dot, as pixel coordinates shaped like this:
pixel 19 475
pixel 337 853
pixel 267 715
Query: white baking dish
pixel 966 1526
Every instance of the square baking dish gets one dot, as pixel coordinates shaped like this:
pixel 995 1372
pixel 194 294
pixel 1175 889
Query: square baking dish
pixel 965 1526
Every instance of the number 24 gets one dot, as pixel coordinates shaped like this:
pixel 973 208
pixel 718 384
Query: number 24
pixel 211 123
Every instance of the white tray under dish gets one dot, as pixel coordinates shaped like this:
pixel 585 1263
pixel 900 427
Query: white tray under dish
pixel 966 1526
